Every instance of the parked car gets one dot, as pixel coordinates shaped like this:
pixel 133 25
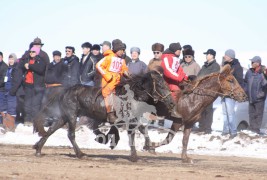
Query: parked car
pixel 241 113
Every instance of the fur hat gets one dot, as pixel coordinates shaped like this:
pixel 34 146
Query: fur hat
pixel 117 45
pixel 158 47
pixel 174 47
pixel 188 52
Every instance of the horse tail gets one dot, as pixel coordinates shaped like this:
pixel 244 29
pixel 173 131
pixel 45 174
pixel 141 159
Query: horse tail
pixel 38 123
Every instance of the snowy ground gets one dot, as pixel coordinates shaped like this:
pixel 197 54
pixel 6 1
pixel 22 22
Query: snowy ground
pixel 246 144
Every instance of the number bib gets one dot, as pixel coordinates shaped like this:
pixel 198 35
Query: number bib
pixel 115 65
pixel 175 64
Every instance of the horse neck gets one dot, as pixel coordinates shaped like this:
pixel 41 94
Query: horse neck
pixel 202 96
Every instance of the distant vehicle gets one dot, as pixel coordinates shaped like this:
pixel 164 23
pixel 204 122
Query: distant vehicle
pixel 241 115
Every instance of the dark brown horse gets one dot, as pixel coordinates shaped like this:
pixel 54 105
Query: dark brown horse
pixel 196 97
pixel 83 101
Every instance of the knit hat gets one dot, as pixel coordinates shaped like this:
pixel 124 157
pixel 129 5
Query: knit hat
pixel 95 47
pixel 158 47
pixel 56 53
pixel 87 45
pixel 135 49
pixel 117 45
pixel 174 47
pixel 230 53
pixel 106 43
pixel 256 59
pixel 190 52
pixel 36 49
pixel 37 41
pixel 14 56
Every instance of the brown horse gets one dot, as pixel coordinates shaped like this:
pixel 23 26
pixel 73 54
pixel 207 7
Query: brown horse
pixel 196 97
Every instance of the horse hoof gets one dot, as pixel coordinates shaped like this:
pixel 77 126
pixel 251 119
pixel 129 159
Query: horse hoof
pixel 38 154
pixel 133 159
pixel 188 160
pixel 81 155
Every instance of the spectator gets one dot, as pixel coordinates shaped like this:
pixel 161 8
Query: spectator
pixel 111 67
pixel 157 49
pixel 3 70
pixel 106 45
pixel 97 56
pixel 87 66
pixel 136 66
pixel 228 104
pixel 173 72
pixel 71 75
pixel 37 42
pixel 256 88
pixel 8 103
pixel 188 63
pixel 125 56
pixel 34 72
pixel 210 66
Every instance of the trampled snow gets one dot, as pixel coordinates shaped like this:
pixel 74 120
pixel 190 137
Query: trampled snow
pixel 246 144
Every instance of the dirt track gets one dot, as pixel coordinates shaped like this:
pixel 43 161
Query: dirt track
pixel 19 162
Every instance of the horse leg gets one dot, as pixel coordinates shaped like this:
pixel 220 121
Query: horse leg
pixel 131 135
pixel 147 146
pixel 187 132
pixel 174 129
pixel 71 136
pixel 55 126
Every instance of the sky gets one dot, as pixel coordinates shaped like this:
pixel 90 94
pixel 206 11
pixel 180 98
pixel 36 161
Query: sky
pixel 221 25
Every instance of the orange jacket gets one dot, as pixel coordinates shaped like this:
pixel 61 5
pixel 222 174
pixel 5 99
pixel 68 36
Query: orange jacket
pixel 111 65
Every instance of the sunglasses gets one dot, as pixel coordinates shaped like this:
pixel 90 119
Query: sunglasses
pixel 188 56
pixel 156 52
pixel 32 52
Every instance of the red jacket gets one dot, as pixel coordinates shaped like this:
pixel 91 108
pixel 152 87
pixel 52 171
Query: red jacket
pixel 173 72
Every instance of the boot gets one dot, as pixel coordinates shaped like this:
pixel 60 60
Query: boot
pixel 112 117
pixel 9 123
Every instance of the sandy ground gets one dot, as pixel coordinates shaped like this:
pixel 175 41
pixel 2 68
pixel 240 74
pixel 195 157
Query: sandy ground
pixel 19 162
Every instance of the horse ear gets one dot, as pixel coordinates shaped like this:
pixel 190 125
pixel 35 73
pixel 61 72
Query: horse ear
pixel 225 71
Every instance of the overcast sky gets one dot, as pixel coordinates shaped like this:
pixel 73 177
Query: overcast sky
pixel 222 24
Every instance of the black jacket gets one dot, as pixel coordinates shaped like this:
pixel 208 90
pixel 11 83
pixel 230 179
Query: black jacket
pixel 38 69
pixel 43 55
pixel 3 69
pixel 16 79
pixel 209 68
pixel 54 73
pixel 71 75
pixel 87 69
pixel 238 71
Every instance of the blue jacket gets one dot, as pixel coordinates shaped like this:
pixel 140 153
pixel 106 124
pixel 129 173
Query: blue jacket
pixel 255 86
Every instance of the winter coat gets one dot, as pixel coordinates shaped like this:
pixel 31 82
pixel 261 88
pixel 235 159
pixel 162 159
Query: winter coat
pixel 97 77
pixel 255 85
pixel 137 67
pixel 71 75
pixel 208 68
pixel 153 63
pixel 14 79
pixel 173 72
pixel 54 73
pixel 238 70
pixel 3 69
pixel 38 70
pixel 191 68
pixel 87 69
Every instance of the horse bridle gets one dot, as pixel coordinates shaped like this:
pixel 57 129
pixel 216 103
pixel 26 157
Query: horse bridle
pixel 155 91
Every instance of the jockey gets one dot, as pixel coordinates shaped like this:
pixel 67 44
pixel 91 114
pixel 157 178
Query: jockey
pixel 173 72
pixel 112 67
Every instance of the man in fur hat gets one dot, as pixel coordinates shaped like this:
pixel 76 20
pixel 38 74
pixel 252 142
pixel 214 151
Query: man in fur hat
pixel 157 49
pixel 112 67
pixel 188 63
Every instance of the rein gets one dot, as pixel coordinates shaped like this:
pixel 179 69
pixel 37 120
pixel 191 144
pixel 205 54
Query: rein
pixel 155 91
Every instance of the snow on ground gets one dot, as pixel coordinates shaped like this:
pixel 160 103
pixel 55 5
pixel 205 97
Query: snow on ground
pixel 246 144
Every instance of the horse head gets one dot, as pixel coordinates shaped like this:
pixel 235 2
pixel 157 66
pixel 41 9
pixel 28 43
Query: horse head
pixel 159 89
pixel 230 86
